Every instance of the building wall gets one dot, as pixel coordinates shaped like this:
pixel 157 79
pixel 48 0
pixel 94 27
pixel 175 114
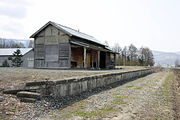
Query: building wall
pixel 28 59
pixel 3 58
pixel 52 49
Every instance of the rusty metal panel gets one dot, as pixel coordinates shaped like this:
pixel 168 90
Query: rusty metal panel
pixel 51 53
pixel 39 40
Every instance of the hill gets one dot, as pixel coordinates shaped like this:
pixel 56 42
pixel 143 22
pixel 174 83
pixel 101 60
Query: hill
pixel 166 58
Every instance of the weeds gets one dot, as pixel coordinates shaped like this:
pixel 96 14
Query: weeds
pixel 99 112
pixel 129 86
pixel 124 97
pixel 138 88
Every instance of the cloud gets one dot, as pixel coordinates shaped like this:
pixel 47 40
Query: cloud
pixel 13 8
pixel 12 27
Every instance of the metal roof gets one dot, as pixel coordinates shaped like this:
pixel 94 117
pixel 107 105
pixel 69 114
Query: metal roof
pixel 10 51
pixel 69 31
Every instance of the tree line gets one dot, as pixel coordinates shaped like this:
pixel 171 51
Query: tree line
pixel 132 56
pixel 8 43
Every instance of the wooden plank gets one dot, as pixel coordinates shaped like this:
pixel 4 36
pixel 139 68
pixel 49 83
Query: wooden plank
pixel 98 61
pixel 108 61
pixel 64 46
pixel 64 39
pixel 77 56
pixel 63 53
pixel 88 59
pixel 52 53
pixel 39 51
pixel 39 63
pixel 64 62
pixel 53 64
pixel 51 40
pixel 39 40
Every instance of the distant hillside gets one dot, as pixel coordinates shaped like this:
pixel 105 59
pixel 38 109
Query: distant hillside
pixel 165 58
pixel 12 42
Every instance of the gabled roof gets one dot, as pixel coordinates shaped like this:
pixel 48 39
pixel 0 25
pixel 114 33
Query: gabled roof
pixel 10 51
pixel 69 31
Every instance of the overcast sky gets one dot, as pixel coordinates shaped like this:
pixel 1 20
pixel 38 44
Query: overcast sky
pixel 151 23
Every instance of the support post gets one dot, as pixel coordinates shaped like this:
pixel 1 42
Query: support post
pixel 98 59
pixel 92 60
pixel 84 57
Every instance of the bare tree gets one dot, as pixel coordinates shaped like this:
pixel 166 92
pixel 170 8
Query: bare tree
pixel 31 44
pixel 116 48
pixel 124 55
pixel 132 53
pixel 146 57
pixel 176 63
pixel 106 43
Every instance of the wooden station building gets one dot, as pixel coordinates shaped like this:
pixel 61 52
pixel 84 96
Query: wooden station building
pixel 58 46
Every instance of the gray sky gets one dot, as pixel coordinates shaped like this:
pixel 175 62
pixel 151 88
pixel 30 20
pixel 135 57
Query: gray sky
pixel 151 23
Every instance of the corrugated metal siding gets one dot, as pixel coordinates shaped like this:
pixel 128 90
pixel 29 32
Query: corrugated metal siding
pixel 10 51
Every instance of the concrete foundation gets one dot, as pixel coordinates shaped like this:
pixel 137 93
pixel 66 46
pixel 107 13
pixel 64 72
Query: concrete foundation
pixel 75 86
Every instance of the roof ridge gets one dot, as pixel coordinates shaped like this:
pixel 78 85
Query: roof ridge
pixel 71 28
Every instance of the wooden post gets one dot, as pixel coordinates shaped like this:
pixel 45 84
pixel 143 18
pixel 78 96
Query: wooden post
pixel 92 59
pixel 84 57
pixel 98 59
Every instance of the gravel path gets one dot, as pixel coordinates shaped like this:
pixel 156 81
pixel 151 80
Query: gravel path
pixel 129 101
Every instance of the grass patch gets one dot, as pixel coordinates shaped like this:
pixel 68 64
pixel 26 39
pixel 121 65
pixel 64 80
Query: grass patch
pixel 85 114
pixel 120 101
pixel 144 85
pixel 98 113
pixel 124 97
pixel 129 86
pixel 162 109
pixel 13 110
pixel 115 94
pixel 56 116
pixel 138 88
